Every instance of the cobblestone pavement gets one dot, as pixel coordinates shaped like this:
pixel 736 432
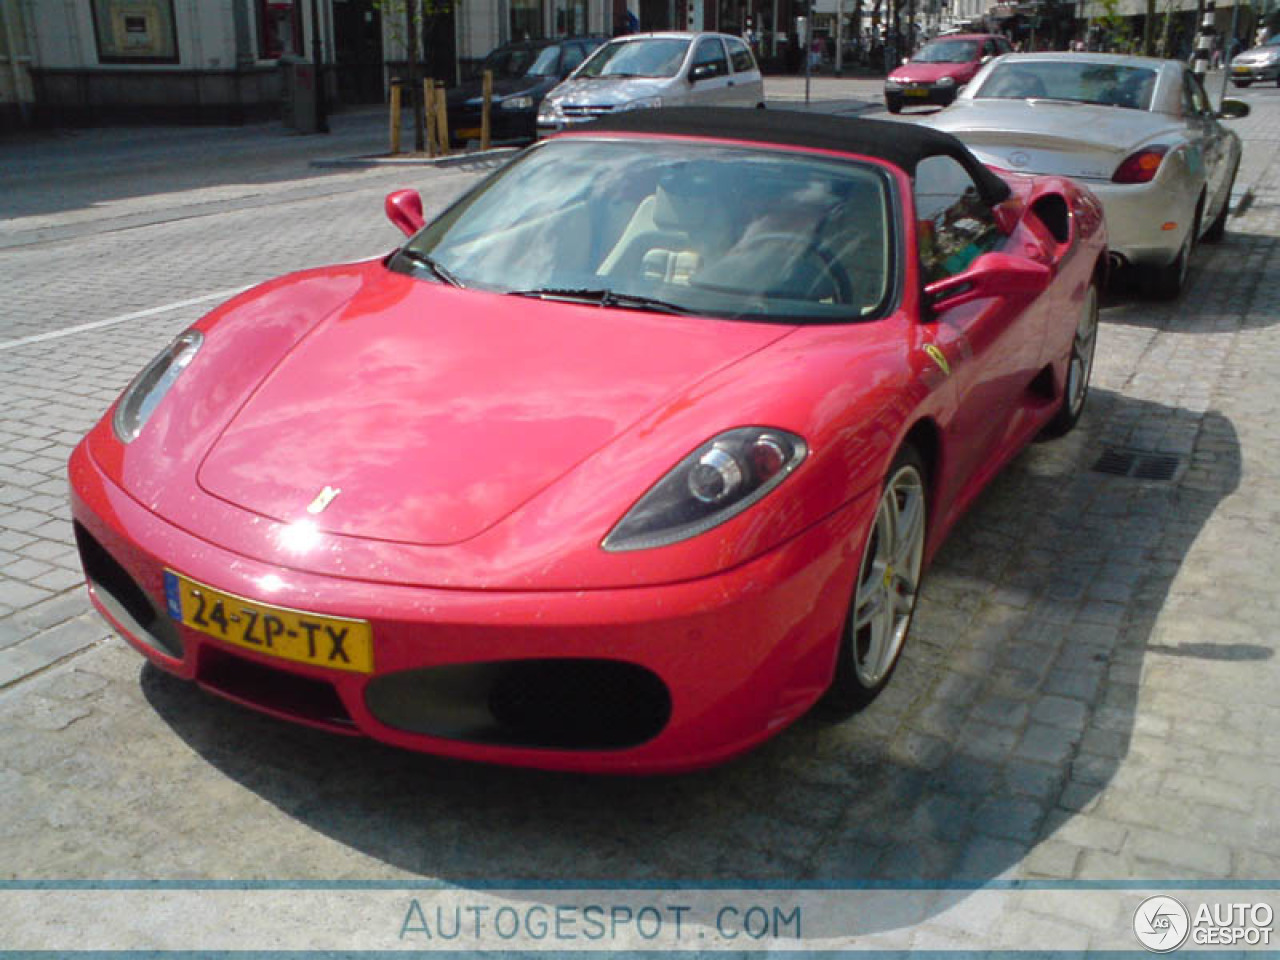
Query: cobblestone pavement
pixel 1088 692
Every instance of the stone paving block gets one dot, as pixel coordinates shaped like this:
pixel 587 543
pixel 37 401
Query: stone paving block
pixel 1083 830
pixel 16 594
pixel 55 610
pixel 43 649
pixel 1042 743
pixel 1205 789
pixel 1180 851
pixel 1014 819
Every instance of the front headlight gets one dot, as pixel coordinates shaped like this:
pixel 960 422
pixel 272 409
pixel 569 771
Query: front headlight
pixel 644 103
pixel 148 388
pixel 550 111
pixel 717 481
pixel 892 86
pixel 946 81
pixel 516 103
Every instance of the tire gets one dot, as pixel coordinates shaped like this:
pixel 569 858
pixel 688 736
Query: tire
pixel 1218 229
pixel 884 600
pixel 1167 282
pixel 1075 391
pixel 893 106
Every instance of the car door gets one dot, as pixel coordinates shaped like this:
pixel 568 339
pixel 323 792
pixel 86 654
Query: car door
pixel 748 84
pixel 990 348
pixel 709 76
pixel 1210 139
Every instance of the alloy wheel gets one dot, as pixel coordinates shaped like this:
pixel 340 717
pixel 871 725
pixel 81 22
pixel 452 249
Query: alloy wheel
pixel 889 580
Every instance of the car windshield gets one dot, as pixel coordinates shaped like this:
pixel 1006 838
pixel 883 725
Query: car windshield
pixel 651 57
pixel 510 63
pixel 733 232
pixel 547 64
pixel 1113 85
pixel 948 51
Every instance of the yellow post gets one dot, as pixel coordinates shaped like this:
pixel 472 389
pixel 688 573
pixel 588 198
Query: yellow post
pixel 395 117
pixel 484 110
pixel 442 120
pixel 429 103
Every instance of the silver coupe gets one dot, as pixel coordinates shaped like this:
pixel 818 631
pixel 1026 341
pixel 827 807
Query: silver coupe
pixel 1141 133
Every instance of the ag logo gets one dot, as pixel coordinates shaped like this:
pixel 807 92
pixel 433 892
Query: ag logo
pixel 1161 924
pixel 1019 159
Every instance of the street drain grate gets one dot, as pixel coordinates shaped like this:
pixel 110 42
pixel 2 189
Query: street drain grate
pixel 1139 464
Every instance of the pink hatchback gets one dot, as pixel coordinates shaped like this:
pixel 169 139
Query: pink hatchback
pixel 940 69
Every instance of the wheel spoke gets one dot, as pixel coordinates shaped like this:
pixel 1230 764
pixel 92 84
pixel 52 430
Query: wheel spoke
pixel 870 607
pixel 911 524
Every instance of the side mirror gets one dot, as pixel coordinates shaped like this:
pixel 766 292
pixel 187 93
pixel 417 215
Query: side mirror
pixel 991 275
pixel 702 71
pixel 1233 109
pixel 404 209
pixel 986 59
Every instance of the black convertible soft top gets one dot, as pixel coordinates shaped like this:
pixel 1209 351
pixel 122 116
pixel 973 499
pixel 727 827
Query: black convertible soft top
pixel 902 144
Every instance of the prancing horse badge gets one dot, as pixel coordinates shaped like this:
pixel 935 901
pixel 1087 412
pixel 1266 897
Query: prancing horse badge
pixel 323 499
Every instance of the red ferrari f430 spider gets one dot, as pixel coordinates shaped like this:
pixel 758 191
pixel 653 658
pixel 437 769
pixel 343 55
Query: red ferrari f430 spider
pixel 623 463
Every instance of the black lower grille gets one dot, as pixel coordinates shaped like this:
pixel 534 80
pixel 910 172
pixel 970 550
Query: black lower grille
pixel 124 599
pixel 573 704
pixel 261 686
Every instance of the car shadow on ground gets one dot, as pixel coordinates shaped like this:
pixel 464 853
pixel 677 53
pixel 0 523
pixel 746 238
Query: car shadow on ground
pixel 1227 268
pixel 1015 703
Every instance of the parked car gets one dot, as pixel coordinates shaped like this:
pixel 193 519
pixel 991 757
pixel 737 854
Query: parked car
pixel 604 469
pixel 1141 133
pixel 1257 64
pixel 941 69
pixel 655 70
pixel 523 73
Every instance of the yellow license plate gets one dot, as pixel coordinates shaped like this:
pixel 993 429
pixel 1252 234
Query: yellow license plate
pixel 915 92
pixel 1239 69
pixel 468 133
pixel 334 642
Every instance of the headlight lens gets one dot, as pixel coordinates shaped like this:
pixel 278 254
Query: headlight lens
pixel 550 110
pixel 517 103
pixel 148 388
pixel 892 85
pixel 717 481
pixel 946 81
pixel 644 103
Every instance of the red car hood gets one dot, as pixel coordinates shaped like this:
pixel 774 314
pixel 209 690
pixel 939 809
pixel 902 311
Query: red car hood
pixel 437 412
pixel 933 72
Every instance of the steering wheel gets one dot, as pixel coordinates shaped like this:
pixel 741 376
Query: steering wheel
pixel 786 248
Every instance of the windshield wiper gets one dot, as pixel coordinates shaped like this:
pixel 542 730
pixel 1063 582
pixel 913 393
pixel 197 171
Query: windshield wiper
pixel 604 297
pixel 440 272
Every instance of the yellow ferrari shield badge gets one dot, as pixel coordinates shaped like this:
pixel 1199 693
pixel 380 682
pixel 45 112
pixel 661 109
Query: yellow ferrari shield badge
pixel 938 357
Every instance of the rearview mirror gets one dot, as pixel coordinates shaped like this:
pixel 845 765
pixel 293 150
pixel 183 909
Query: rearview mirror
pixel 991 275
pixel 1233 109
pixel 404 209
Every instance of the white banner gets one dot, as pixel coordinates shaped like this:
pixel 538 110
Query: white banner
pixel 385 918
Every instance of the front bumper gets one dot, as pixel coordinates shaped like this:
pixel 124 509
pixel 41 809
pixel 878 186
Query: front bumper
pixel 921 94
pixel 1255 73
pixel 737 656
